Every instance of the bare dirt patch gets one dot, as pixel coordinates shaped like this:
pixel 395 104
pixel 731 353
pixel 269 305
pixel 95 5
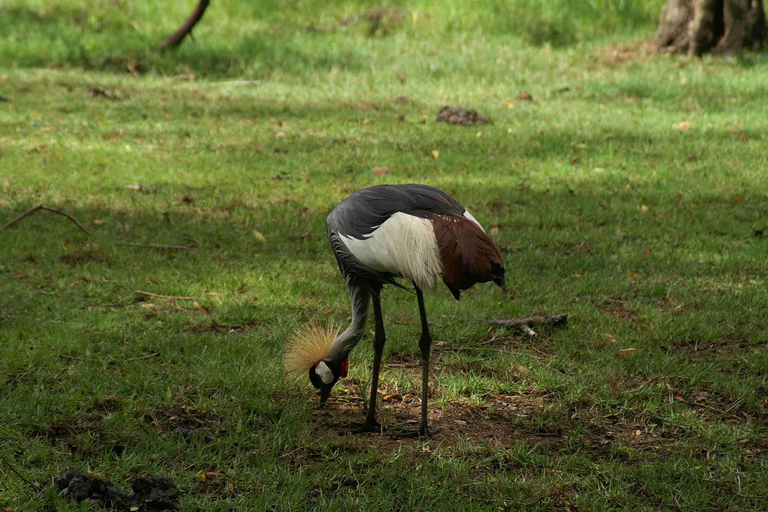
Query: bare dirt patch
pixel 502 421
pixel 619 55
pixel 462 421
pixel 181 420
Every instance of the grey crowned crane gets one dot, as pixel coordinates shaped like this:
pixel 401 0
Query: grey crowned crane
pixel 414 232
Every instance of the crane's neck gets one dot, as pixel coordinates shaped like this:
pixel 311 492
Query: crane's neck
pixel 351 336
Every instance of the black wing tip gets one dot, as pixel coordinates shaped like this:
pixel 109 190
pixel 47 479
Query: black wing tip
pixel 455 291
pixel 497 274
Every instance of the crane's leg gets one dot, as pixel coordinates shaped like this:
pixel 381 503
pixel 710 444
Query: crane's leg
pixel 425 344
pixel 379 338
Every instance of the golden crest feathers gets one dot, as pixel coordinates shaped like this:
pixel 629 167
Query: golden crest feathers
pixel 306 346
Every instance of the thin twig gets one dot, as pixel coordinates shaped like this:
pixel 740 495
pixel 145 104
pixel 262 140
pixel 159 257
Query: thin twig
pixel 153 246
pixel 654 379
pixel 124 233
pixel 148 356
pixel 713 409
pixel 141 425
pixel 33 485
pixel 542 353
pixel 751 496
pixel 46 208
pixel 169 297
pixel 735 403
pixel 67 356
pixel 468 349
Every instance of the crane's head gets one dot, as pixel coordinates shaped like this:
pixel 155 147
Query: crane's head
pixel 324 375
pixel 308 349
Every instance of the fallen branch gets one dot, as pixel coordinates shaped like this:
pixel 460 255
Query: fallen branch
pixel 46 208
pixel 169 297
pixel 524 324
pixel 153 246
pixel 185 29
pixel 31 484
pixel 148 356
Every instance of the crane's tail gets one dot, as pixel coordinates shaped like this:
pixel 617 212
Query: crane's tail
pixel 467 253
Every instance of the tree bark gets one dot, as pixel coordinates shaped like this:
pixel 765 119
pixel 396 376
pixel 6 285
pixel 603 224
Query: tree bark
pixel 184 30
pixel 697 27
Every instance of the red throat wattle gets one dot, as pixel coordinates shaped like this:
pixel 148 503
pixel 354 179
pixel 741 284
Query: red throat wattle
pixel 344 367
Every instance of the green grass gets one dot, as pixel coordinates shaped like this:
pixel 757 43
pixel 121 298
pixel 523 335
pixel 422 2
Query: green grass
pixel 650 236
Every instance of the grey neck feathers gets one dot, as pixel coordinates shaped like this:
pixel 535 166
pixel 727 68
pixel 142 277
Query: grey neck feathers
pixel 347 340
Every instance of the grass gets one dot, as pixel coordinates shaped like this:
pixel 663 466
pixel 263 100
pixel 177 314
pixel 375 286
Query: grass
pixel 650 233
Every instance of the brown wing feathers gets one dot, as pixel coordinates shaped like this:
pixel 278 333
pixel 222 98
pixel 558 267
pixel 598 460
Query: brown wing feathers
pixel 467 253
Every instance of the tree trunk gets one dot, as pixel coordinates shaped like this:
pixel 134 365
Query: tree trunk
pixel 696 27
pixel 177 37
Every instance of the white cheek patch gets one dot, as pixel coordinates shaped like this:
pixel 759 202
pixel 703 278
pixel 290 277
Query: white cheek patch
pixel 325 373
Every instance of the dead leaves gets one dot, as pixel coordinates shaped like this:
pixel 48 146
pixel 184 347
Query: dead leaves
pixel 683 127
pixel 260 236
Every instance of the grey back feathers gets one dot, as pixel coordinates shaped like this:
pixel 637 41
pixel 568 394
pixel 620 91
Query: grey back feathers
pixel 365 210
pixel 463 252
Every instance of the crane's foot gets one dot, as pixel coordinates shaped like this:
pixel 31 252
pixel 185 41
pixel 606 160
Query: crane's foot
pixel 363 428
pixel 410 433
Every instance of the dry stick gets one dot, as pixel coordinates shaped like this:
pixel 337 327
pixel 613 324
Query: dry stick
pixel 148 356
pixel 152 246
pixel 124 233
pixel 713 409
pixel 46 208
pixel 751 496
pixel 543 354
pixel 654 379
pixel 35 486
pixel 67 356
pixel 524 324
pixel 735 403
pixel 169 297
